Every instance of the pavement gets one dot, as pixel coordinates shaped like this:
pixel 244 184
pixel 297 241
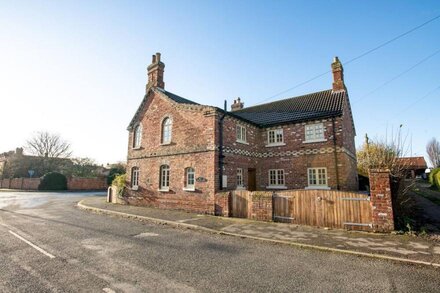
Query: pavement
pixel 48 244
pixel 403 248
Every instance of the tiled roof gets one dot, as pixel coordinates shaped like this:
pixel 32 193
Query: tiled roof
pixel 178 99
pixel 312 106
pixel 413 162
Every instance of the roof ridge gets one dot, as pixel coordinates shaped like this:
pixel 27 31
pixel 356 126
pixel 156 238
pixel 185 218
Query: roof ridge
pixel 259 105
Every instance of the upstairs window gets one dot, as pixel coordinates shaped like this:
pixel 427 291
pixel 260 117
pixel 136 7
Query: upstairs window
pixel 276 178
pixel 166 130
pixel 317 177
pixel 314 132
pixel 239 177
pixel 275 137
pixel 164 180
pixel 241 133
pixel 189 178
pixel 137 136
pixel 135 178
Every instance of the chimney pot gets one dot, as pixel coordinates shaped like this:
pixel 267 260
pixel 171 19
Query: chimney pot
pixel 158 57
pixel 154 59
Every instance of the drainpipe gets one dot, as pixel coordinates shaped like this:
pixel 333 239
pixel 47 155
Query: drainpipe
pixel 220 151
pixel 336 154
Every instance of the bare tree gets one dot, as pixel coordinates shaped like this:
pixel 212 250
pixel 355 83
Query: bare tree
pixel 45 144
pixel 433 150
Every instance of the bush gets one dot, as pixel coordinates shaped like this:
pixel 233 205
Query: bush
pixel 119 183
pixel 115 171
pixel 53 181
pixel 434 177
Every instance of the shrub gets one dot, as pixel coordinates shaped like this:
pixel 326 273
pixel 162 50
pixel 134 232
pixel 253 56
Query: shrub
pixel 115 171
pixel 53 181
pixel 119 183
pixel 437 180
pixel 433 175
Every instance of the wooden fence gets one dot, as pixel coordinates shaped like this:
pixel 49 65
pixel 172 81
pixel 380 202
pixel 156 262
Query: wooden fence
pixel 321 208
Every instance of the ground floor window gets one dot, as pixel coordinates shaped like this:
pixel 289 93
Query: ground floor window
pixel 134 177
pixel 164 177
pixel 239 177
pixel 317 177
pixel 189 178
pixel 276 178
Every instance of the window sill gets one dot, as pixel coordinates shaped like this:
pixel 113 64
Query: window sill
pixel 166 143
pixel 134 187
pixel 321 187
pixel 276 187
pixel 190 189
pixel 275 144
pixel 240 188
pixel 242 142
pixel 164 190
pixel 315 140
pixel 137 148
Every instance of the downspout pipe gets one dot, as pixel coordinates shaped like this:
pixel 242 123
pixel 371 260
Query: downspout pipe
pixel 220 151
pixel 335 153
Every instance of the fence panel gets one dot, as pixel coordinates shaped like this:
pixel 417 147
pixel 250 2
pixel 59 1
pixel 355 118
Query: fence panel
pixel 240 203
pixel 323 208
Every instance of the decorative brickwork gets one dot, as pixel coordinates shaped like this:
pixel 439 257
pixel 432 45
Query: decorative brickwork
pixel 381 201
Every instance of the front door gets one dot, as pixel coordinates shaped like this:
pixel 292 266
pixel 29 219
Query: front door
pixel 252 183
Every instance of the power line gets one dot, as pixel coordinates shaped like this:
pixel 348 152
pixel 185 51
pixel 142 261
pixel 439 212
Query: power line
pixel 397 76
pixel 357 57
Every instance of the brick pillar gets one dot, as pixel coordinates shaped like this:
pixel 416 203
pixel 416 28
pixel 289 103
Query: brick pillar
pixel 381 201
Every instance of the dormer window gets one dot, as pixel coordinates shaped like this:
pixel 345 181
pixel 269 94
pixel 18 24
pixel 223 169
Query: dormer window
pixel 314 132
pixel 137 136
pixel 241 134
pixel 167 125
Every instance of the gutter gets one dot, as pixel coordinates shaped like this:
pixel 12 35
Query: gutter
pixel 220 151
pixel 336 154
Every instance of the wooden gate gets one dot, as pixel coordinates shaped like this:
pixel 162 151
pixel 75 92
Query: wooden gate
pixel 240 201
pixel 323 208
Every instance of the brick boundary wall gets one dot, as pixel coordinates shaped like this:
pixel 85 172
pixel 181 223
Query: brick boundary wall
pixel 381 201
pixel 74 183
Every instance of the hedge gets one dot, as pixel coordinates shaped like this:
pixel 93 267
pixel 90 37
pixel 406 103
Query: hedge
pixel 53 181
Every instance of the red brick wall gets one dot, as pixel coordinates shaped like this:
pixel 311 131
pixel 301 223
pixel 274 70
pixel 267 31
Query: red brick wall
pixel 192 145
pixel 261 207
pixel 78 183
pixel 294 157
pixel 381 200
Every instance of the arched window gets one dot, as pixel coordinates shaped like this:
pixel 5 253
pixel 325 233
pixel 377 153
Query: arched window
pixel 190 178
pixel 167 125
pixel 164 179
pixel 137 135
pixel 135 178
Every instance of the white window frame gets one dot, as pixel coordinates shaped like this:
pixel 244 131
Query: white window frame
pixel 317 178
pixel 190 176
pixel 240 132
pixel 276 179
pixel 166 130
pixel 278 137
pixel 240 178
pixel 135 172
pixel 137 136
pixel 164 178
pixel 314 132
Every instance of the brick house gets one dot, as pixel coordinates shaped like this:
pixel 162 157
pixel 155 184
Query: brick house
pixel 181 153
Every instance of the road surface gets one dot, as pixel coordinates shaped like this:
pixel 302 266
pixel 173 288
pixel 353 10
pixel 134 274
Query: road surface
pixel 49 245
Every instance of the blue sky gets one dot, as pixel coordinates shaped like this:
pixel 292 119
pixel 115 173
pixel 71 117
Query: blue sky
pixel 78 68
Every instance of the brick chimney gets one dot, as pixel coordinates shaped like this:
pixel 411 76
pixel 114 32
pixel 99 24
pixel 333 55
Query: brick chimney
pixel 338 75
pixel 155 73
pixel 237 105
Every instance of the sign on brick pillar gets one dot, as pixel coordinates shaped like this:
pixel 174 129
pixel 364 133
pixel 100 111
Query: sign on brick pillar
pixel 381 200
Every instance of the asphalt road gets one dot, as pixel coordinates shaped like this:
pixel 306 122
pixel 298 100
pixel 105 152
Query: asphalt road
pixel 49 245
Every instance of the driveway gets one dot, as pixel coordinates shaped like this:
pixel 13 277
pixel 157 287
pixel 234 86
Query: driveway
pixel 48 245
